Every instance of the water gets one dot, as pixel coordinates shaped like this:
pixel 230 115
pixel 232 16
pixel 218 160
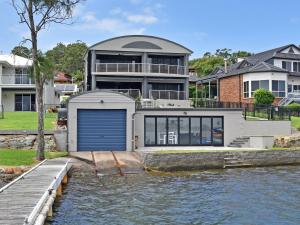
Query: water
pixel 235 196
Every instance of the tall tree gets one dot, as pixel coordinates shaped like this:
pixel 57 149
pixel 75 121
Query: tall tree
pixel 21 51
pixel 36 15
pixel 69 58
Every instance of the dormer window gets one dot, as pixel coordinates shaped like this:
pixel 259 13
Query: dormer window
pixel 287 65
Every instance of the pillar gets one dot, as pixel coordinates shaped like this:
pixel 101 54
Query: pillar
pixel 145 89
pixel 208 89
pixel 93 69
pixel 186 88
pixel 144 62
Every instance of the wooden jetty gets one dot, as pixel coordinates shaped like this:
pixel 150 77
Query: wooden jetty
pixel 28 199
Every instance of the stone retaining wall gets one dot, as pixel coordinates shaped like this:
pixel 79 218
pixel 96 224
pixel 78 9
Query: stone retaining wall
pixel 215 160
pixel 55 140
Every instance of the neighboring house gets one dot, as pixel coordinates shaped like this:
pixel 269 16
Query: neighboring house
pixel 137 98
pixel 276 70
pixel 64 91
pixel 17 87
pixel 62 78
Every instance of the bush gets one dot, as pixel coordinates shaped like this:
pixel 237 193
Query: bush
pixel 263 97
pixel 192 92
pixel 295 107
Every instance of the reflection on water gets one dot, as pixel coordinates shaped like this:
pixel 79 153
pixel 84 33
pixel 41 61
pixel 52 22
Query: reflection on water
pixel 233 196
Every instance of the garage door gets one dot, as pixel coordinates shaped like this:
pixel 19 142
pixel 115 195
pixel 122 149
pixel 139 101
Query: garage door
pixel 101 130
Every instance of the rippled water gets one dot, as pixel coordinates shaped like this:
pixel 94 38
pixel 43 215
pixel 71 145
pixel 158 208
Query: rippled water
pixel 235 196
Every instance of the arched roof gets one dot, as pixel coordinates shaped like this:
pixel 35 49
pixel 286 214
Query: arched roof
pixel 140 43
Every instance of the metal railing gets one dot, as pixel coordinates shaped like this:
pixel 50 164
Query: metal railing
pixel 140 68
pixel 16 79
pixel 167 94
pixel 1 111
pixel 134 93
pixel 291 96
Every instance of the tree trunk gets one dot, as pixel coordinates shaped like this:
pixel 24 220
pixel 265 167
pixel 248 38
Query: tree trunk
pixel 40 154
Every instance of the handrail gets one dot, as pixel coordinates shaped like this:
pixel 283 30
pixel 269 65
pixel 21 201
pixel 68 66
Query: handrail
pixel 140 68
pixel 21 176
pixel 19 79
pixel 167 94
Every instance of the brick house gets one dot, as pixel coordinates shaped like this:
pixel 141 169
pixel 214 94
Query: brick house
pixel 277 70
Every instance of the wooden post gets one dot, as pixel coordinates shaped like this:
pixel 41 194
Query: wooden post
pixel 65 179
pixel 59 190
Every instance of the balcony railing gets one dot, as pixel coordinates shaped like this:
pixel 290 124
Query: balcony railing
pixel 167 94
pixel 16 79
pixel 134 93
pixel 139 68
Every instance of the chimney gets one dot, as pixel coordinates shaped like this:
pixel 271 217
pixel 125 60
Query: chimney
pixel 225 64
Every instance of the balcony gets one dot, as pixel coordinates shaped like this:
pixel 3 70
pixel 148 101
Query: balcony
pixel 140 68
pixel 16 80
pixel 167 94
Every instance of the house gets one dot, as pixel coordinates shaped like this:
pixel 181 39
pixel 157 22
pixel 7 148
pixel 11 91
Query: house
pixel 17 87
pixel 276 70
pixel 62 78
pixel 137 98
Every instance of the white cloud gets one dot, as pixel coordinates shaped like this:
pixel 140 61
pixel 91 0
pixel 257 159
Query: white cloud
pixel 140 18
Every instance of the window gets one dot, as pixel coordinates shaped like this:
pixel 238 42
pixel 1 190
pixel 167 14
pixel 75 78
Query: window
pixel 290 88
pixel 246 89
pixel 259 84
pixel 183 130
pixel 296 66
pixel 25 102
pixel 287 65
pixel 22 76
pixel 296 88
pixel 278 88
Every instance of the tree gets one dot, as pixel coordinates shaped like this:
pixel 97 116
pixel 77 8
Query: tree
pixel 36 15
pixel 21 51
pixel 207 64
pixel 69 58
pixel 263 97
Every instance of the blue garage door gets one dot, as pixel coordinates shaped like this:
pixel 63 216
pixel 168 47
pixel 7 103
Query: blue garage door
pixel 101 130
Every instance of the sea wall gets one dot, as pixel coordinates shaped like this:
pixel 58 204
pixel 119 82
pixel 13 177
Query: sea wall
pixel 219 160
pixel 25 140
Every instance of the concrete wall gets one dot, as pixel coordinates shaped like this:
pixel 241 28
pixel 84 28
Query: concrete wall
pixel 92 100
pixel 265 128
pixel 233 121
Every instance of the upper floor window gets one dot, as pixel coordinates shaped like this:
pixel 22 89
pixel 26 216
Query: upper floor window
pixel 259 84
pixel 287 65
pixel 296 66
pixel 278 88
pixel 22 76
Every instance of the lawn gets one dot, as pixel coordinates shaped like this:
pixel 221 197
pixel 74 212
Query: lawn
pixel 24 157
pixel 296 122
pixel 24 121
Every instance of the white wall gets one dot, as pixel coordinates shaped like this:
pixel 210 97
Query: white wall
pixel 265 76
pixel 296 51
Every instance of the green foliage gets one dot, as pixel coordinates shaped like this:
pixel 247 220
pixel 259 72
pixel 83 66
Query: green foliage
pixel 263 97
pixel 21 51
pixel 209 62
pixel 293 107
pixel 192 92
pixel 69 58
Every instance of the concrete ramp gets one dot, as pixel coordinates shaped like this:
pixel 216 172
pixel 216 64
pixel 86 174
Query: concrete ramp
pixel 112 162
pixel 128 162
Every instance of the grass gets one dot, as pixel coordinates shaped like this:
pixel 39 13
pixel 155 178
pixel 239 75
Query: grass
pixel 296 122
pixel 24 121
pixel 24 157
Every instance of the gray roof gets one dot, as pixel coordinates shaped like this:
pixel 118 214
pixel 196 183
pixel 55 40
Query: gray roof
pixel 65 87
pixel 193 78
pixel 255 63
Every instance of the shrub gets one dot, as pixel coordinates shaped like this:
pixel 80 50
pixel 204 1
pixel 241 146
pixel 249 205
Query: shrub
pixel 293 107
pixel 263 97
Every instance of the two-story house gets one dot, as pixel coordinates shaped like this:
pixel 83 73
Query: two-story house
pixel 277 70
pixel 136 98
pixel 143 66
pixel 17 87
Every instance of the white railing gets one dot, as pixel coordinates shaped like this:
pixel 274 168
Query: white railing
pixel 167 94
pixel 16 79
pixel 291 96
pixel 139 68
pixel 134 93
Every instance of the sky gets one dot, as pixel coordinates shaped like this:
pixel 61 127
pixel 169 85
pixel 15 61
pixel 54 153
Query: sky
pixel 200 25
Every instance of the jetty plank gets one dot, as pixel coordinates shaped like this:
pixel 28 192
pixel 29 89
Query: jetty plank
pixel 19 200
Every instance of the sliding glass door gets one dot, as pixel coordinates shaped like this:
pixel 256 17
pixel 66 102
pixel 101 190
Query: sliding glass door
pixel 185 131
pixel 25 102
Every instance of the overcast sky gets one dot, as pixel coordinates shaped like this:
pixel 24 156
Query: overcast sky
pixel 201 25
